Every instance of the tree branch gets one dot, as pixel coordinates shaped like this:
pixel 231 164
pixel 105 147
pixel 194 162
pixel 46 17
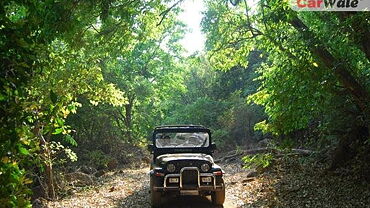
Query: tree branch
pixel 165 12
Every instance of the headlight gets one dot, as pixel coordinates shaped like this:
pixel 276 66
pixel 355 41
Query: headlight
pixel 205 167
pixel 171 168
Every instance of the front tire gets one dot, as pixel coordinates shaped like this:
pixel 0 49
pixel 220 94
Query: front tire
pixel 155 197
pixel 218 197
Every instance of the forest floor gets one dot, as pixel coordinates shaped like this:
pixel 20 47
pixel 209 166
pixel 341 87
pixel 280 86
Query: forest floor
pixel 289 182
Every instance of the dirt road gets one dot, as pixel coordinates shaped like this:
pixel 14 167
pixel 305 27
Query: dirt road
pixel 288 184
pixel 130 188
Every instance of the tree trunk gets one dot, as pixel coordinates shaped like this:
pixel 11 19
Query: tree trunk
pixel 128 118
pixel 250 127
pixel 128 123
pixel 357 91
pixel 46 156
pixel 50 180
pixel 347 147
pixel 49 168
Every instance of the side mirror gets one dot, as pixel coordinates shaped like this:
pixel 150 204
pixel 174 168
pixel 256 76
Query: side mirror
pixel 213 146
pixel 150 147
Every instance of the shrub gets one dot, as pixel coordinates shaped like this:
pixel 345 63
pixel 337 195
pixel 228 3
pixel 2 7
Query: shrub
pixel 98 159
pixel 258 161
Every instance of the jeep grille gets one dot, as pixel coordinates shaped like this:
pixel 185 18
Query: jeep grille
pixel 189 178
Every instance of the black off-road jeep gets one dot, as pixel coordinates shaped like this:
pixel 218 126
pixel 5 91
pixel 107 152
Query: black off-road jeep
pixel 183 164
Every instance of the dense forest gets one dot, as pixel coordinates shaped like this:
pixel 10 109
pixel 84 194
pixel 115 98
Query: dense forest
pixel 83 84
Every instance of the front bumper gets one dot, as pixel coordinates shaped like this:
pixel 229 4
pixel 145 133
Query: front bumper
pixel 183 188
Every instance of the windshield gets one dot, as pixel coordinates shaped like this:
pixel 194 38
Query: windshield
pixel 177 139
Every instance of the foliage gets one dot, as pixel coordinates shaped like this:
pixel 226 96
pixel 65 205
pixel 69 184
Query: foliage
pixel 60 152
pixel 13 190
pixel 98 159
pixel 258 161
pixel 92 75
pixel 147 72
pixel 315 70
pixel 52 55
pixel 217 100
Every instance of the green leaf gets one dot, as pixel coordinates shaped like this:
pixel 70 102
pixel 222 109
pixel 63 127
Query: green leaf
pixel 23 150
pixel 59 121
pixel 58 131
pixel 68 138
pixel 2 97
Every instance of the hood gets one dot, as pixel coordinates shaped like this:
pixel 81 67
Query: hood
pixel 184 156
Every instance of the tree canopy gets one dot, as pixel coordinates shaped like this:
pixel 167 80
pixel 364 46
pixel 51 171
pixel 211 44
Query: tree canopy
pixel 81 79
